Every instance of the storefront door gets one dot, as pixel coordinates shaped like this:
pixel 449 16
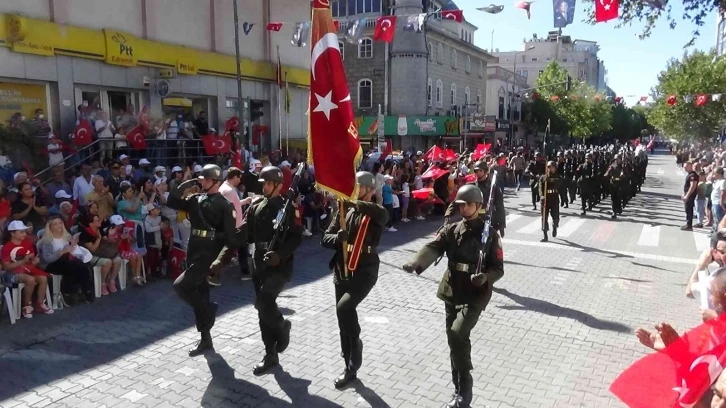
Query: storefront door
pixel 115 103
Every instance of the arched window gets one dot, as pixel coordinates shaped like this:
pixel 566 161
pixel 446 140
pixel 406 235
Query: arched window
pixel 478 97
pixel 453 94
pixel 462 34
pixel 439 93
pixel 467 96
pixel 440 53
pixel 429 92
pixel 431 52
pixel 454 59
pixel 341 47
pixel 468 64
pixel 365 48
pixel 365 93
pixel 481 68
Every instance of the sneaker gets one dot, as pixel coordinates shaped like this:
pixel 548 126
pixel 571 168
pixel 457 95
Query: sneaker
pixel 104 289
pixel 686 228
pixel 27 312
pixel 406 220
pixel 391 229
pixel 699 225
pixel 43 308
pixel 112 287
pixel 246 276
pixel 307 233
pixel 420 218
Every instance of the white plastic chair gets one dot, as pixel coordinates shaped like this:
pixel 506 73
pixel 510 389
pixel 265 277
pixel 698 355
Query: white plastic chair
pixel 10 305
pixel 17 298
pixel 58 301
pixel 97 281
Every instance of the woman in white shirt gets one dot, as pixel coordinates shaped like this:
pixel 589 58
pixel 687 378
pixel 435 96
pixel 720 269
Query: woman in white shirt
pixel 104 132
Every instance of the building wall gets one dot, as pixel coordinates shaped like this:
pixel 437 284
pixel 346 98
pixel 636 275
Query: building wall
pixel 372 69
pixel 721 34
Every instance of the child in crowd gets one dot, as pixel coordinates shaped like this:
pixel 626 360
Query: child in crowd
pixel 122 235
pixel 152 226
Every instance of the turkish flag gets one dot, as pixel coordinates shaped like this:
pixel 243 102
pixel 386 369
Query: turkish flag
pixel 336 23
pixel 274 26
pixel 216 144
pixel 456 15
pixel 701 99
pixel 481 150
pixel 606 10
pixel 679 375
pixel 438 154
pixel 672 100
pixel 434 172
pixel 176 261
pixel 232 124
pixel 333 148
pixel 650 144
pixel 385 28
pixel 137 138
pixel 143 119
pixel 83 133
pixel 636 142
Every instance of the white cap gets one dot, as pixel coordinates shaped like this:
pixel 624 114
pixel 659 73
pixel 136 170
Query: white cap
pixel 160 180
pixel 254 163
pixel 117 220
pixel 176 168
pixel 419 153
pixel 122 157
pixel 144 162
pixel 388 177
pixel 17 226
pixel 125 183
pixel 159 168
pixel 197 168
pixel 62 194
pixel 285 164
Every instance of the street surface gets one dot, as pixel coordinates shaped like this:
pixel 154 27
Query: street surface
pixel 558 330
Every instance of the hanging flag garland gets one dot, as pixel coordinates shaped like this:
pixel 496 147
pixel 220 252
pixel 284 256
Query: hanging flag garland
pixel 698 99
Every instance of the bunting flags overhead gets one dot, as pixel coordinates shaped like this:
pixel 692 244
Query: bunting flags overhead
pixel 698 99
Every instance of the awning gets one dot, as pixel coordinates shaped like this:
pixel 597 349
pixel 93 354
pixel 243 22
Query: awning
pixel 183 102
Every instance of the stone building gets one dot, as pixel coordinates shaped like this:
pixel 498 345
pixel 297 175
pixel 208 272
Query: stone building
pixel 432 74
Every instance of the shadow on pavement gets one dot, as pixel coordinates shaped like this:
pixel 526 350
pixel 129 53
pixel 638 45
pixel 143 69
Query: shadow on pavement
pixel 590 249
pixel 226 390
pixel 297 390
pixel 551 309
pixel 556 268
pixel 370 396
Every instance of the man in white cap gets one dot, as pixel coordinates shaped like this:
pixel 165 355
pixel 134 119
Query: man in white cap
pixel 144 170
pixel 159 174
pixel 124 159
pixel 61 196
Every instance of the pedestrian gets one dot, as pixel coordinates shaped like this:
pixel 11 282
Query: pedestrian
pixel 549 190
pixel 365 221
pixel 273 265
pixel 615 173
pixel 689 195
pixel 212 221
pixel 465 290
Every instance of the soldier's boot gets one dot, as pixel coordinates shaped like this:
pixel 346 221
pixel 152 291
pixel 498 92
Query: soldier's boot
pixel 545 239
pixel 454 398
pixel 347 376
pixel 465 393
pixel 356 354
pixel 204 345
pixel 284 339
pixel 554 231
pixel 270 360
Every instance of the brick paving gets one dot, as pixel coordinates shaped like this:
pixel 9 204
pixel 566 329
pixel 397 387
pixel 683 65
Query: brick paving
pixel 558 329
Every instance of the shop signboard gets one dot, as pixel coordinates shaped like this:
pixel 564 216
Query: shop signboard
pixel 24 40
pixel 368 126
pixel 23 98
pixel 120 48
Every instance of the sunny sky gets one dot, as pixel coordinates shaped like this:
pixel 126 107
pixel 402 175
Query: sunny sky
pixel 632 64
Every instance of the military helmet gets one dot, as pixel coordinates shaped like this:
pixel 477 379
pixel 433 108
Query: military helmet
pixel 212 172
pixel 551 164
pixel 538 154
pixel 481 165
pixel 559 154
pixel 271 173
pixel 469 193
pixel 588 155
pixel 365 178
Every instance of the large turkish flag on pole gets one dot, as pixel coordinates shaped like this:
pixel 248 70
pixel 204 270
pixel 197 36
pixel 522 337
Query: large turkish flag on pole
pixel 333 146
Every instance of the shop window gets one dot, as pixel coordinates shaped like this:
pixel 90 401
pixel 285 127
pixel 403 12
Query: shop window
pixel 365 48
pixel 439 93
pixel 365 93
pixel 120 104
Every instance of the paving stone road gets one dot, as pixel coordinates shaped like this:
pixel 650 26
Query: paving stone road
pixel 558 329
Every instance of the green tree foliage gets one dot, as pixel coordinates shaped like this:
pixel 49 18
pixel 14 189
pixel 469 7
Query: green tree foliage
pixel 629 123
pixel 650 12
pixel 696 73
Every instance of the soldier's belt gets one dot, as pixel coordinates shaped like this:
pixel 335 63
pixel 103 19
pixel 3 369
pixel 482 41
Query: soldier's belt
pixel 204 234
pixel 363 250
pixel 462 267
pixel 551 191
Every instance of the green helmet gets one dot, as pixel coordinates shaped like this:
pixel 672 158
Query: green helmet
pixel 469 193
pixel 212 172
pixel 365 178
pixel 481 165
pixel 271 173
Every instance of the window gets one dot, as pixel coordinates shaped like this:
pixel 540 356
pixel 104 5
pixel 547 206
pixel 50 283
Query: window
pixel 534 59
pixel 481 69
pixel 564 59
pixel 365 48
pixel 341 47
pixel 439 93
pixel 582 74
pixel 468 64
pixel 453 94
pixel 467 96
pixel 501 107
pixel 365 93
pixel 478 97
pixel 431 52
pixel 525 73
pixel 429 92
pixel 587 61
pixel 440 54
pixel 454 59
pixel 343 8
pixel 462 34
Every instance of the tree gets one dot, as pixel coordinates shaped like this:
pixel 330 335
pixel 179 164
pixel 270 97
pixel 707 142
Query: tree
pixel 694 74
pixel 650 12
pixel 629 123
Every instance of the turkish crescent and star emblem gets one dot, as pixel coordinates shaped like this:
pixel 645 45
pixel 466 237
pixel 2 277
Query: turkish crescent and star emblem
pixel 385 24
pixel 606 4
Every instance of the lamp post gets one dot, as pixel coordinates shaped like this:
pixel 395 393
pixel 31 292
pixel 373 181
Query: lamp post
pixel 511 105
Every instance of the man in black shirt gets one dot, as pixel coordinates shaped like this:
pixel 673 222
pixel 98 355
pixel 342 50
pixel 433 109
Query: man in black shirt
pixel 689 195
pixel 201 124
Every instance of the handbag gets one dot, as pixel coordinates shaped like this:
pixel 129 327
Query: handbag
pixel 107 250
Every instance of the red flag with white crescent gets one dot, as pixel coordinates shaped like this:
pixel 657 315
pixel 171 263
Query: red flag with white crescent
pixel 232 124
pixel 217 144
pixel 333 145
pixel 176 261
pixel 137 138
pixel 83 133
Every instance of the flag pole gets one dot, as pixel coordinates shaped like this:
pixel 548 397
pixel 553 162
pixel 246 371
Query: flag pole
pixel 279 110
pixel 240 102
pixel 287 116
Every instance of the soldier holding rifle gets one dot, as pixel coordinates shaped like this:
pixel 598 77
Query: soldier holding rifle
pixel 273 231
pixel 355 276
pixel 475 261
pixel 549 190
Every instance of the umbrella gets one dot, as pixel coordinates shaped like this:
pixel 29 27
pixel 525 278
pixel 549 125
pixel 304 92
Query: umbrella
pixel 491 9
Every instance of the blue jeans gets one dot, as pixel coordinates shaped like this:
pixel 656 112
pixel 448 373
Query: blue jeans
pixel 717 215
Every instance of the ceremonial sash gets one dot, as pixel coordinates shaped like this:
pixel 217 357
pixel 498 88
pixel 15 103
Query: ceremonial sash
pixel 354 255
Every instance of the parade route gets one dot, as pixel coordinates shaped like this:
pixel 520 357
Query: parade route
pixel 558 330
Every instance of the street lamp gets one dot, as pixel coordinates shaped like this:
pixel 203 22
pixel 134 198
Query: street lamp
pixel 511 105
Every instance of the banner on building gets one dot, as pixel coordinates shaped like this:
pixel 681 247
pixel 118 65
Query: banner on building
pixel 563 12
pixel 21 98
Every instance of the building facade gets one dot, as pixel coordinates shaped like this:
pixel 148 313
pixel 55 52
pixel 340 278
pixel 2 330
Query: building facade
pixel 578 57
pixel 421 80
pixel 167 55
pixel 504 93
pixel 721 33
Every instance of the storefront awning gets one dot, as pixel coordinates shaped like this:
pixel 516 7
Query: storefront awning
pixel 183 102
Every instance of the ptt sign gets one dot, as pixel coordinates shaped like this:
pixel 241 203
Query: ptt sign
pixel 119 48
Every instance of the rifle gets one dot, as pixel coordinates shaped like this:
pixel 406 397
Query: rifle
pixel 483 248
pixel 281 227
